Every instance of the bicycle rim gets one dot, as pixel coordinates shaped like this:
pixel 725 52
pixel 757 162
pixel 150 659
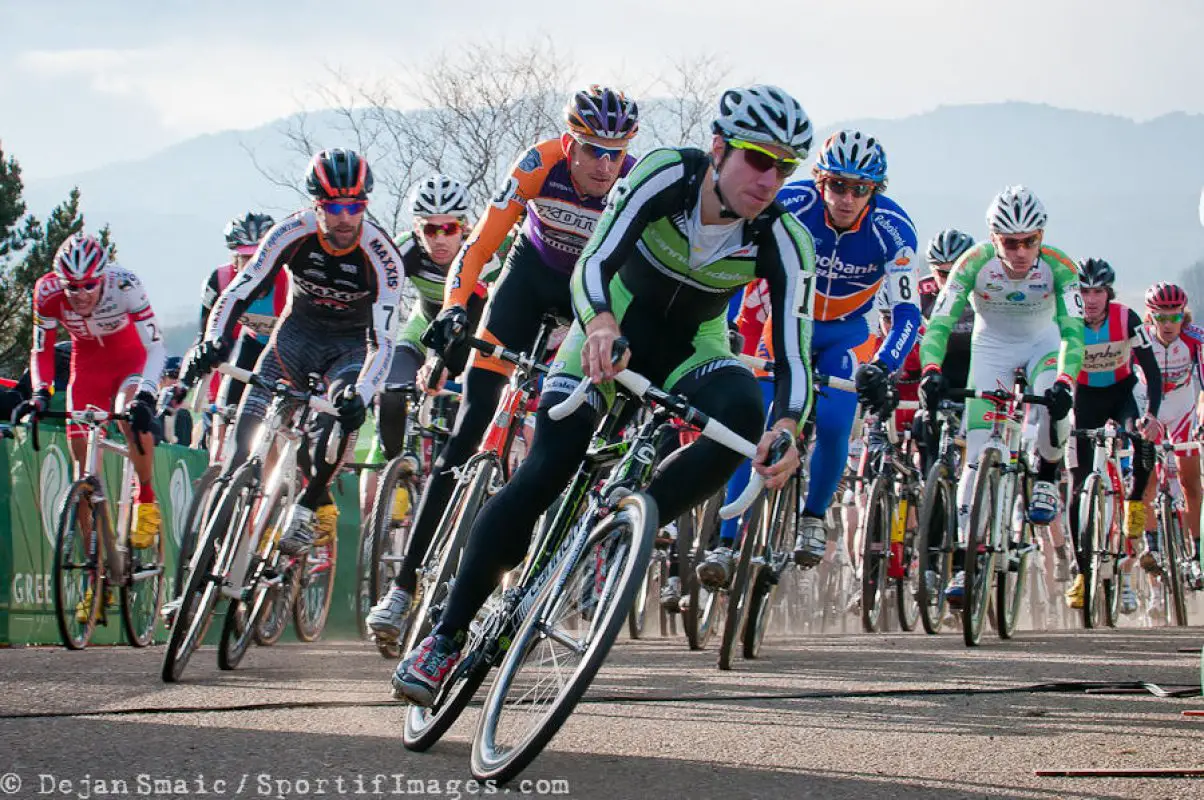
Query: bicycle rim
pixel 1010 583
pixel 752 537
pixel 980 566
pixel 1091 522
pixel 384 540
pixel 878 511
pixel 209 564
pixel 142 596
pixel 538 685
pixel 1172 552
pixel 443 554
pixel 77 559
pixel 206 491
pixel 780 559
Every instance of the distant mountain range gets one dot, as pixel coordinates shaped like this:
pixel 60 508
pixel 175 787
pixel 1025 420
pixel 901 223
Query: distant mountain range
pixel 1114 188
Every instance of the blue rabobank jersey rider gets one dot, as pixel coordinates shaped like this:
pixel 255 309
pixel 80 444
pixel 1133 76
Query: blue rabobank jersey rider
pixel 864 242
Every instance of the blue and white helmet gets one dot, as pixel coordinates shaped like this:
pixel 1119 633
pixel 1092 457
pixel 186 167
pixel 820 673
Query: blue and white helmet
pixel 853 154
pixel 1016 210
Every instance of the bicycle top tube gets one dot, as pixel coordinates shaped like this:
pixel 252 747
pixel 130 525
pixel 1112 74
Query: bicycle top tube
pixel 280 389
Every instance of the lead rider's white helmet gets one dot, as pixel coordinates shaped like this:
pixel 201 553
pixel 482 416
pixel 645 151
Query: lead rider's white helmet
pixel 439 194
pixel 1016 210
pixel 764 114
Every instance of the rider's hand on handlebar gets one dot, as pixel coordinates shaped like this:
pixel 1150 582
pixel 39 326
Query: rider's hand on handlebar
pixel 142 412
pixel 33 406
pixel 778 473
pixel 1060 397
pixel 448 328
pixel 1149 428
pixel 602 331
pixel 423 379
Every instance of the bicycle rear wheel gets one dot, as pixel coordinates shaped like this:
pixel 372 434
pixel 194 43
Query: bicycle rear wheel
pixel 876 548
pixel 980 546
pixel 79 585
pixel 907 588
pixel 562 643
pixel 752 540
pixel 314 577
pixel 702 608
pixel 142 595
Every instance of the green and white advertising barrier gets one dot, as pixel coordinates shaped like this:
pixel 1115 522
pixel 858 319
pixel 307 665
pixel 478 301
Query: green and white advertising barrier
pixel 32 486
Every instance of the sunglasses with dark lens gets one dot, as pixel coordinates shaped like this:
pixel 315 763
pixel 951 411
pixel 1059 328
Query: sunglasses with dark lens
pixel 840 187
pixel 1027 243
pixel 446 229
pixel 763 160
pixel 81 286
pixel 1168 317
pixel 336 207
pixel 598 152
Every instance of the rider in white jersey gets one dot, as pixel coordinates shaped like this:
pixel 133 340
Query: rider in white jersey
pixel 1028 314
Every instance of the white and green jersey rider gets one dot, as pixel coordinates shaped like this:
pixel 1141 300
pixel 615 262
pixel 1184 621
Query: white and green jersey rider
pixel 1034 322
pixel 668 279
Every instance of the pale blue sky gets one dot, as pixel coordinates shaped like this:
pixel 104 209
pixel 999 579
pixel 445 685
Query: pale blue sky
pixel 87 83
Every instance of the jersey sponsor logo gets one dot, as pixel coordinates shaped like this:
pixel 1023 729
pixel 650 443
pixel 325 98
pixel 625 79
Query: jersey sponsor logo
pixel 1105 357
pixel 992 286
pixel 321 292
pixel 566 216
pixel 386 260
pixel 902 263
pixel 506 193
pixel 884 223
pixel 1017 297
pixel 531 161
pixel 350 269
pixel 834 264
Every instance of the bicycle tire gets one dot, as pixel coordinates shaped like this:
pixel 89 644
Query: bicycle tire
pixel 314 579
pixel 142 594
pixel 937 536
pixel 879 512
pixel 1090 538
pixel 448 543
pixel 1010 584
pixel 1171 554
pixel 379 535
pixel 74 634
pixel 638 618
pixel 638 515
pixel 695 528
pixel 907 588
pixel 202 592
pixel 752 543
pixel 194 523
pixel 983 508
pixel 766 580
pixel 238 624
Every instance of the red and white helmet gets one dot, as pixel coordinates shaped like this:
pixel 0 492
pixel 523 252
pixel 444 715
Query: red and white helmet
pixel 1165 297
pixel 80 258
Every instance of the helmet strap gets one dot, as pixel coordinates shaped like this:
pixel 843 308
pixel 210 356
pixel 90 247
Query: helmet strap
pixel 724 210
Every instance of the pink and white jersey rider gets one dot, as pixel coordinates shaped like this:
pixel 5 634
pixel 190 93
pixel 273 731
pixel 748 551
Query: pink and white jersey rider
pixel 1182 366
pixel 121 322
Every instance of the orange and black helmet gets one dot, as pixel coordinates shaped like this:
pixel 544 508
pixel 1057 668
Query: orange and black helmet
pixel 338 173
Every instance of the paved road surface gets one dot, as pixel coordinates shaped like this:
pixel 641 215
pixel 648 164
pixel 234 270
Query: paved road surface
pixel 856 716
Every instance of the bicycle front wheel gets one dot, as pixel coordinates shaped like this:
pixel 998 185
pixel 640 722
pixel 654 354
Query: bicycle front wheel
pixel 383 538
pixel 1091 538
pixel 210 563
pixel 206 491
pixel 980 546
pixel 780 557
pixel 79 591
pixel 238 625
pixel 1173 549
pixel 739 593
pixel 875 553
pixel 562 643
pixel 1019 544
